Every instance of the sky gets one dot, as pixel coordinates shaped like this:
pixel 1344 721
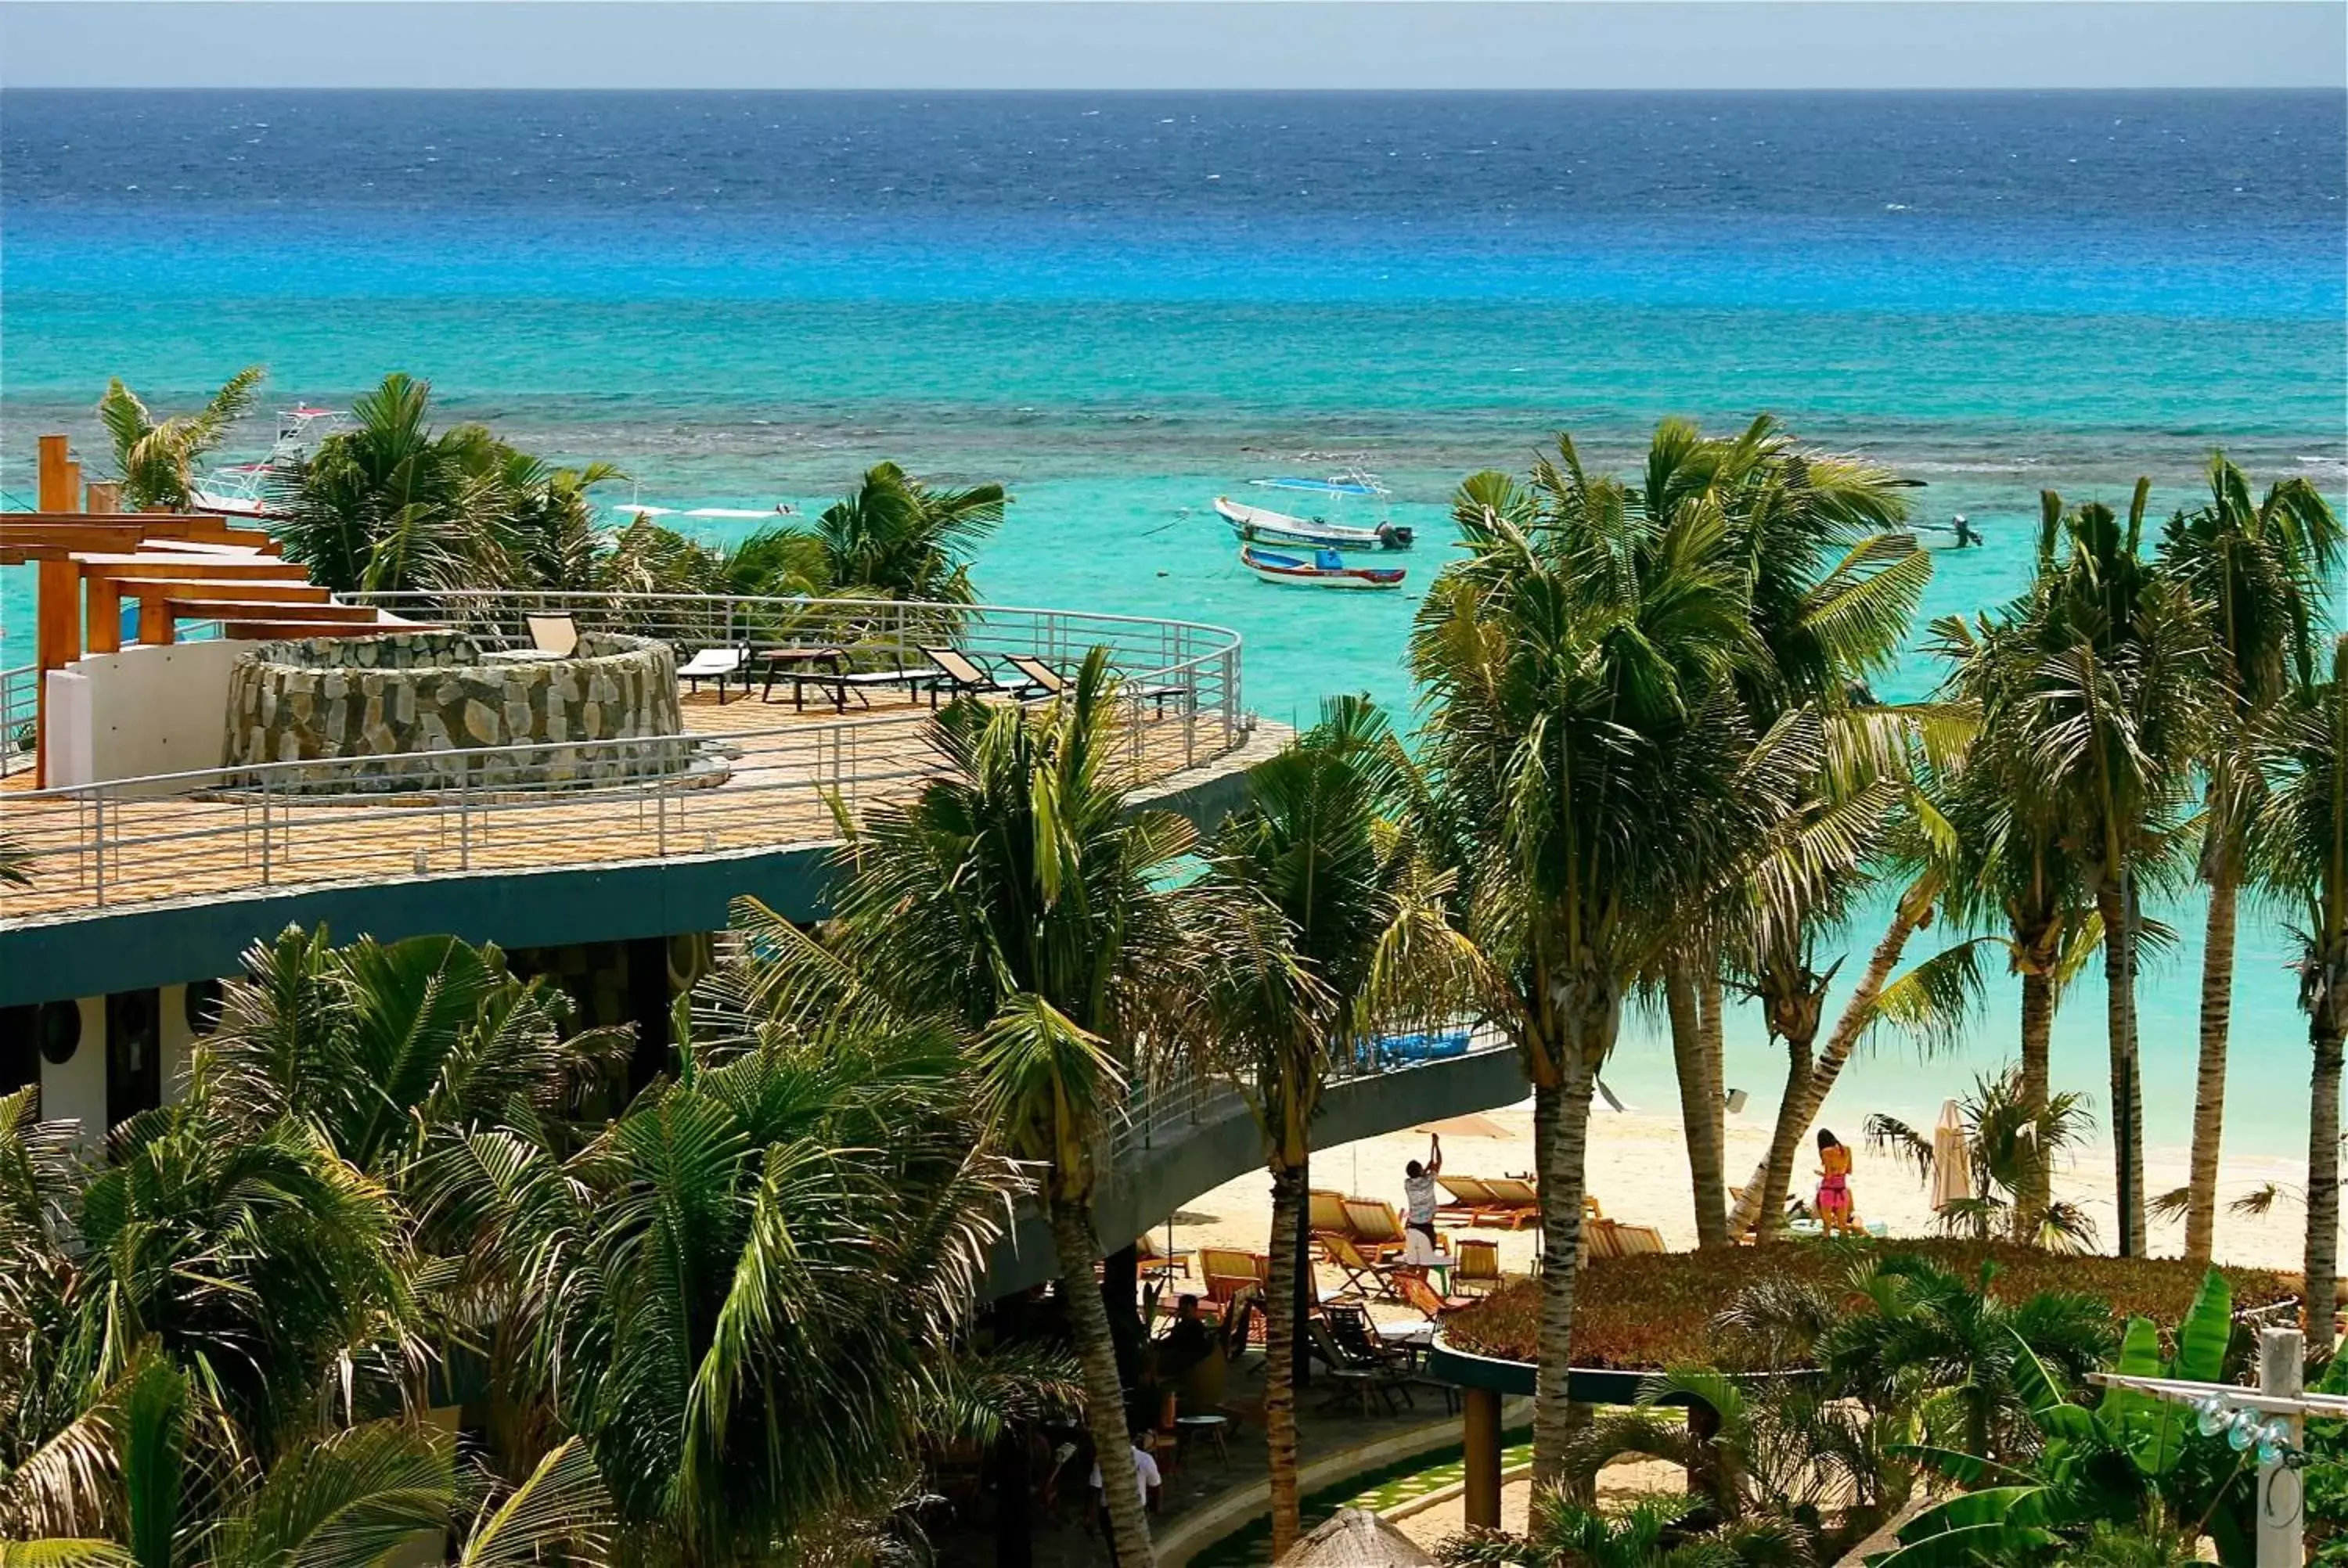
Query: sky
pixel 1167 43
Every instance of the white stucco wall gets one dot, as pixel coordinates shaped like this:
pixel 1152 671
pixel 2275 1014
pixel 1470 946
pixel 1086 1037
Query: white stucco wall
pixel 143 710
pixel 75 1090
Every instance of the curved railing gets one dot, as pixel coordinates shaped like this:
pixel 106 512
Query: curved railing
pixel 733 786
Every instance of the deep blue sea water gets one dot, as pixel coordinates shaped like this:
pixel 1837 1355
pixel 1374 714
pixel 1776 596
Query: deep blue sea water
pixel 1125 303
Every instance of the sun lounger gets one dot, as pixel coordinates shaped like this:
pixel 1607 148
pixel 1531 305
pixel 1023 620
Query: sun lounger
pixel 1327 1216
pixel 1377 1230
pixel 1051 683
pixel 1422 1296
pixel 964 675
pixel 1469 1198
pixel 718 664
pixel 1599 1239
pixel 1515 1204
pixel 1635 1239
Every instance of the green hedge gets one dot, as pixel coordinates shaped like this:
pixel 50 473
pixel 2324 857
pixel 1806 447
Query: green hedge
pixel 1649 1311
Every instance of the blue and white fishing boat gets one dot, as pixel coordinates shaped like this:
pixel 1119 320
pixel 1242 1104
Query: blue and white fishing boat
pixel 1262 525
pixel 1321 568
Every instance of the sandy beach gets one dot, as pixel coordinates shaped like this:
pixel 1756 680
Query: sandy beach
pixel 1639 1174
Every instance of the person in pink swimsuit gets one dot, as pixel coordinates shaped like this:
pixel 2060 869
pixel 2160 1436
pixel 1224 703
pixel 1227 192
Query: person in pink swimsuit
pixel 1833 1203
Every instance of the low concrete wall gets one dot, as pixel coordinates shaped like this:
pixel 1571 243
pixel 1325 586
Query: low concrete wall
pixel 146 710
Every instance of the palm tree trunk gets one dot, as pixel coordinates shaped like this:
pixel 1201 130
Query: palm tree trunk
pixel 2323 1263
pixel 1795 1110
pixel 2115 904
pixel 1764 1193
pixel 2209 1080
pixel 2324 1187
pixel 1715 1072
pixel 1072 1239
pixel 1698 1107
pixel 2036 1187
pixel 1561 1146
pixel 1280 1330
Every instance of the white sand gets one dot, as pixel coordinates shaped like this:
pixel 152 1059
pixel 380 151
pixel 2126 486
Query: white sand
pixel 1639 1174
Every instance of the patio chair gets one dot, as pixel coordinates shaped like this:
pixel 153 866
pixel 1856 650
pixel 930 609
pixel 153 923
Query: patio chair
pixel 1327 1213
pixel 964 675
pixel 1231 1275
pixel 1363 1278
pixel 1477 1270
pixel 1354 1334
pixel 1355 1380
pixel 718 664
pixel 1377 1230
pixel 1051 683
pixel 1421 1296
pixel 555 634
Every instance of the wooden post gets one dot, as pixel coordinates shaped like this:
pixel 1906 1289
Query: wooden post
pixel 105 497
pixel 156 627
pixel 57 642
pixel 105 615
pixel 53 495
pixel 2282 1367
pixel 1483 1457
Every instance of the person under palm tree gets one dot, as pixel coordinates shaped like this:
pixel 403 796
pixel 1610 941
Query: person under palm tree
pixel 1834 1184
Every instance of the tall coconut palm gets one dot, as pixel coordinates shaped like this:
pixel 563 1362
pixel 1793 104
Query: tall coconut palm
pixel 158 462
pixel 1590 758
pixel 1326 926
pixel 2256 571
pixel 2114 715
pixel 2301 844
pixel 1017 897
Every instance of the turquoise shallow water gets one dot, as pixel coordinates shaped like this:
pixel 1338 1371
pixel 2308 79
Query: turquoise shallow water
pixel 1123 306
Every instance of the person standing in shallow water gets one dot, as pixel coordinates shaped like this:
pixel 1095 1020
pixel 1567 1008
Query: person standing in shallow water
pixel 1833 1203
pixel 1418 1204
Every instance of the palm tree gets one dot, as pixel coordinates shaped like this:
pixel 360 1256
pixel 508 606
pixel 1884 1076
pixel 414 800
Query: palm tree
pixel 1325 925
pixel 1018 898
pixel 2300 842
pixel 1591 764
pixel 892 537
pixel 158 462
pixel 2256 571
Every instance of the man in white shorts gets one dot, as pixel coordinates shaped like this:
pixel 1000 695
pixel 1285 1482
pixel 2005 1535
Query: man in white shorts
pixel 1418 1206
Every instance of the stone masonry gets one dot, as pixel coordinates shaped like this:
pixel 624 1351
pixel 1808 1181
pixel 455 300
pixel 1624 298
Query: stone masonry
pixel 434 692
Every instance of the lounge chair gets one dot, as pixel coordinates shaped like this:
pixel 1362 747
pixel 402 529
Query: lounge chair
pixel 1230 1274
pixel 1377 1230
pixel 718 664
pixel 1516 1204
pixel 1636 1239
pixel 1600 1239
pixel 555 634
pixel 1328 1215
pixel 1164 1265
pixel 1051 683
pixel 1469 1198
pixel 963 674
pixel 1422 1296
pixel 1363 1277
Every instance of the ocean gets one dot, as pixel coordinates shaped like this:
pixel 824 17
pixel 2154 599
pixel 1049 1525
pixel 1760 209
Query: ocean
pixel 1124 304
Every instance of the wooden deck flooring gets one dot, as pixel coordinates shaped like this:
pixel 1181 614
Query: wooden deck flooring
pixel 780 767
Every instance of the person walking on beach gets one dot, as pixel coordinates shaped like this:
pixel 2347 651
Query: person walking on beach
pixel 1418 1204
pixel 1833 1203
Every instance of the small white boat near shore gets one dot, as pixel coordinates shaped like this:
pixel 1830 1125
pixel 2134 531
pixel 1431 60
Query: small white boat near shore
pixel 1316 568
pixel 1262 525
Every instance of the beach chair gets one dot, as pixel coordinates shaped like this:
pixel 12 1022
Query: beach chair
pixel 1419 1293
pixel 1516 1204
pixel 718 664
pixel 555 634
pixel 1477 1268
pixel 1599 1239
pixel 1377 1229
pixel 1051 683
pixel 1634 1240
pixel 1231 1274
pixel 1363 1278
pixel 1469 1198
pixel 963 674
pixel 1327 1213
pixel 1154 1260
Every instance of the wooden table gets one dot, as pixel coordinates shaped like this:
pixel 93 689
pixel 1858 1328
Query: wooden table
pixel 797 665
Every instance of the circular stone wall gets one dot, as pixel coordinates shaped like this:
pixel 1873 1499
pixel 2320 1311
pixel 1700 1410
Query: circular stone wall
pixel 434 692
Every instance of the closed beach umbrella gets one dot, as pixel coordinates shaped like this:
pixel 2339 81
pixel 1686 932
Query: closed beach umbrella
pixel 1469 1126
pixel 1952 1164
pixel 1352 1537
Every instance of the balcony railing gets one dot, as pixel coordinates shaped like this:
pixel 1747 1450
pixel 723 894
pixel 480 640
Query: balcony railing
pixel 215 831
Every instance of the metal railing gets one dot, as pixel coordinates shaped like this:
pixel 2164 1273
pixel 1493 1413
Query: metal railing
pixel 530 805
